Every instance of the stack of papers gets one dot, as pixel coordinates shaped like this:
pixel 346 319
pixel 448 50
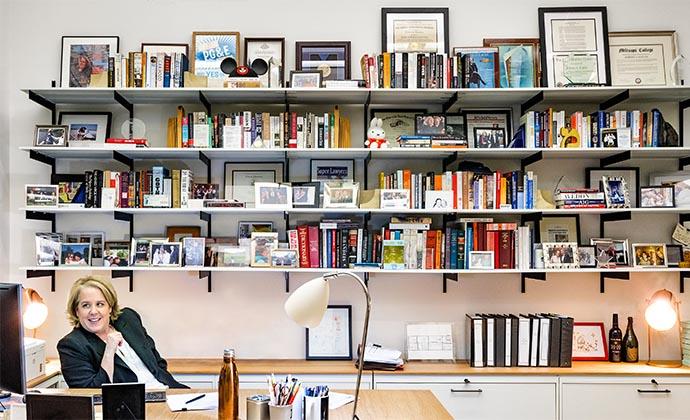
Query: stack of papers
pixel 381 358
pixel 178 402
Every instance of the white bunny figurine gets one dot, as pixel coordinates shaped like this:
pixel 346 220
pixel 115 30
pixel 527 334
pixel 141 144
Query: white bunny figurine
pixel 376 136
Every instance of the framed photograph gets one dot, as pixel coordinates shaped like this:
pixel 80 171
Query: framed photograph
pixel 559 228
pixel 239 178
pixel 41 195
pixel 48 246
pixel 615 192
pixel 575 46
pixel 75 253
pixel 177 233
pixel 284 258
pixel 340 195
pixel 141 252
pixel 680 181
pixel 306 194
pixel 412 29
pixel 489 138
pixel 538 256
pixel 605 252
pixel 643 58
pixel 438 200
pixel 332 339
pixel 481 260
pixel 486 118
pixel 209 49
pixel 589 342
pixel 95 241
pixel 262 243
pixel 586 256
pixel 305 78
pixel 245 229
pixel 518 61
pixel 397 122
pixel 331 170
pixel 395 199
pixel 233 256
pixel 620 247
pixel 480 66
pixel 631 175
pixel 455 126
pixel 430 341
pixel 165 48
pixel 51 135
pixel 331 58
pixel 193 251
pixel 657 196
pixel 609 137
pixel 166 254
pixel 674 255
pixel 85 60
pixel 205 192
pixel 116 254
pixel 271 195
pixel 430 124
pixel 560 254
pixel 268 54
pixel 86 129
pixel 649 255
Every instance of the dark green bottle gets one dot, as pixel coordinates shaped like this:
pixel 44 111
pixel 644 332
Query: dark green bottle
pixel 631 346
pixel 615 341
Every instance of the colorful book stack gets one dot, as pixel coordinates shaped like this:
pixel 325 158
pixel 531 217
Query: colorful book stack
pixel 685 342
pixel 579 198
pixel 139 69
pixel 443 141
pixel 411 71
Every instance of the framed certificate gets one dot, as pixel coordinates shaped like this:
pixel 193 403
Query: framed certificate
pixel 643 58
pixel 575 46
pixel 269 52
pixel 422 30
pixel 332 339
pixel 239 179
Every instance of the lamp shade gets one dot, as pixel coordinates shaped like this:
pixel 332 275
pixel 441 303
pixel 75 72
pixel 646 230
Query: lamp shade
pixel 661 314
pixel 35 311
pixel 308 303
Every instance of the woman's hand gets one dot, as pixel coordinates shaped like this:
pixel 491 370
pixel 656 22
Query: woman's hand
pixel 114 340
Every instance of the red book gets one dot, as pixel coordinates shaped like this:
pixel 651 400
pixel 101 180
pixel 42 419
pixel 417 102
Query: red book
pixel 313 238
pixel 117 140
pixel 505 249
pixel 303 243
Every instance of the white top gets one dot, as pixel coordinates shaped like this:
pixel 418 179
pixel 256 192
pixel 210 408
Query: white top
pixel 133 361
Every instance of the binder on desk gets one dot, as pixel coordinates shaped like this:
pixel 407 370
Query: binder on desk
pixel 523 352
pixel 544 340
pixel 490 340
pixel 514 340
pixel 566 357
pixel 500 341
pixel 475 335
pixel 555 340
pixel 534 340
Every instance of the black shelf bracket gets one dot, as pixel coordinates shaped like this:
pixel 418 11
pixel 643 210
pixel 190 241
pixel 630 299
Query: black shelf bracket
pixel 613 159
pixel 448 277
pixel 366 170
pixel 623 96
pixel 206 161
pixel 127 161
pixel 683 162
pixel 365 118
pixel 682 276
pixel 450 102
pixel 682 106
pixel 534 276
pixel 612 217
pixel 124 102
pixel 616 275
pixel 208 276
pixel 126 217
pixel 118 274
pixel 286 101
pixel 286 276
pixel 286 167
pixel 204 100
pixel 531 102
pixel 683 217
pixel 449 161
pixel 531 217
pixel 40 157
pixel 45 103
pixel 47 217
pixel 32 274
pixel 533 158
pixel 206 217
pixel 367 219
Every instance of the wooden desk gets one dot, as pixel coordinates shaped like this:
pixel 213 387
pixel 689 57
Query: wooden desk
pixel 373 404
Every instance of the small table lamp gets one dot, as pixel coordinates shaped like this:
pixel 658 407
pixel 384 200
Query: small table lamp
pixel 307 305
pixel 35 311
pixel 662 314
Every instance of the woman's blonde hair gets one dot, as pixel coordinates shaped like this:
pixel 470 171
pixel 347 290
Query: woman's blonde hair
pixel 102 284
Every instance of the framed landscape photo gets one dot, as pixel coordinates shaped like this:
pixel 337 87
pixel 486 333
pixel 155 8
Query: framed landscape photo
pixel 589 341
pixel 397 122
pixel 649 255
pixel 574 46
pixel 518 61
pixel 85 60
pixel 643 58
pixel 332 170
pixel 86 129
pixel 332 338
pixel 272 52
pixel 559 228
pixel 284 258
pixel 331 58
pixel 51 135
pixel 209 49
pixel 165 48
pixel 305 194
pixel 659 196
pixel 305 78
pixel 414 29
pixel 239 178
pixel 486 119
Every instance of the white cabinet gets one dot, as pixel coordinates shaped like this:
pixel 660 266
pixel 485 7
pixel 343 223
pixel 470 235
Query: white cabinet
pixel 485 397
pixel 630 398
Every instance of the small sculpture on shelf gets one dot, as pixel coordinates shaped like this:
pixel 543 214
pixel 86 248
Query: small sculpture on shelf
pixel 376 136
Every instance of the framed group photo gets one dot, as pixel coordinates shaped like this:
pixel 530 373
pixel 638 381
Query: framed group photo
pixel 494 127
pixel 332 338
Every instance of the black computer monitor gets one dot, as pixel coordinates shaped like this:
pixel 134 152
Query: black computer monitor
pixel 12 376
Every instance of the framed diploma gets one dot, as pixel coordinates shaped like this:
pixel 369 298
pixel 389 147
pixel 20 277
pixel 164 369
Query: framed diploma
pixel 268 56
pixel 422 30
pixel 575 46
pixel 643 58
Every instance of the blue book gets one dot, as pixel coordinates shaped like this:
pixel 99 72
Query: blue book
pixel 453 249
pixel 329 246
pixel 468 242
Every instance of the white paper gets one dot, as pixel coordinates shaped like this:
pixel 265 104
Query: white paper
pixel 177 402
pixel 337 400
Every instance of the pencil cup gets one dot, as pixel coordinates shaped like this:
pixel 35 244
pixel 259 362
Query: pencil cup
pixel 316 408
pixel 280 412
pixel 257 407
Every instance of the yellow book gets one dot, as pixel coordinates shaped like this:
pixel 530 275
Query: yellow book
pixel 345 133
pixel 382 180
pixel 336 127
pixel 178 130
pixel 176 188
pixel 386 70
pixel 172 132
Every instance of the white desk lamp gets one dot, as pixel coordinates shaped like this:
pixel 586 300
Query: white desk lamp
pixel 662 314
pixel 35 311
pixel 307 305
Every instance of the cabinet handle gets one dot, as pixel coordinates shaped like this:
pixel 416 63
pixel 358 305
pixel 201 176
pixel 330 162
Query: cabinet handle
pixel 466 390
pixel 654 391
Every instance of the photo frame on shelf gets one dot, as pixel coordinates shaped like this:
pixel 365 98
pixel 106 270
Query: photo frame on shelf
pixel 332 339
pixel 620 247
pixel 589 342
pixel 209 49
pixel 395 199
pixel 306 79
pixel 615 192
pixel 233 256
pixel 643 58
pixel 605 252
pixel 177 233
pixel 680 180
pixel 86 129
pixel 438 200
pixel 116 254
pixel 41 195
pixel 193 249
pixel 649 255
pixel 586 256
pixel 284 258
pixel 51 136
pixel 559 228
pixel 166 254
pixel 305 194
pixel 674 255
pixel 574 46
pixel 272 195
pixel 95 241
pixel 396 122
pixel 168 48
pixel 239 178
pixel 262 243
pixel 489 138
pixel 75 253
pixel 245 229
pixel 455 126
pixel 414 29
pixel 331 58
pixel 560 255
pixel 332 170
pixel 430 124
pixel 631 175
pixel 481 260
pixel 84 61
pixel 338 195
pixel 487 118
pixel 430 341
pixel 272 52
pixel 140 254
pixel 657 196
pixel 519 61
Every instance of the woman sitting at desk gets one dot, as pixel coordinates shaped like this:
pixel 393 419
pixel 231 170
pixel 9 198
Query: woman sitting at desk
pixel 108 345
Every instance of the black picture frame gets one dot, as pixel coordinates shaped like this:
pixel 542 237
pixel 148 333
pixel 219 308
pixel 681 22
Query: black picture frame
pixel 612 171
pixel 500 145
pixel 657 187
pixel 314 204
pixel 420 130
pixel 385 11
pixel 537 230
pixel 594 254
pixel 344 45
pixel 108 115
pixel 247 40
pixel 506 113
pixel 351 162
pixel 230 167
pixel 451 126
pixel 677 254
pixel 308 353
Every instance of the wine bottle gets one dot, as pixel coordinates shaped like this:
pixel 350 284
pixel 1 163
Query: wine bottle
pixel 615 341
pixel 630 343
pixel 228 388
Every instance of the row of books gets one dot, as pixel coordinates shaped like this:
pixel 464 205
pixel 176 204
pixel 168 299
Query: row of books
pixel 239 130
pixel 532 340
pixel 471 190
pixel 140 69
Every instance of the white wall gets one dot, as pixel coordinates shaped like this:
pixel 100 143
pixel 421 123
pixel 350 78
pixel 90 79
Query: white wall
pixel 4 143
pixel 245 310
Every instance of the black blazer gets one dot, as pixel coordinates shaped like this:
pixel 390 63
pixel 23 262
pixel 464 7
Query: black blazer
pixel 81 353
